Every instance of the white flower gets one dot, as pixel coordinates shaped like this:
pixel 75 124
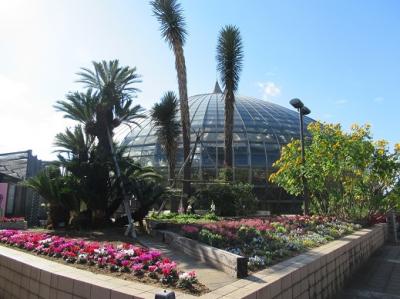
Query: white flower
pixel 48 240
pixel 101 251
pixel 129 252
pixel 184 276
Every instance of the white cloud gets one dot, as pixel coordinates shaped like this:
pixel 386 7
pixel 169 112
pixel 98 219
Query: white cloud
pixel 269 89
pixel 379 99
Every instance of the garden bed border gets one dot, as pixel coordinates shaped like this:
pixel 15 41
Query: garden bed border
pixel 318 273
pixel 20 225
pixel 232 264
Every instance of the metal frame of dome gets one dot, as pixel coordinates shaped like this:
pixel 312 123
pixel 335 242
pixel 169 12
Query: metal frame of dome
pixel 260 130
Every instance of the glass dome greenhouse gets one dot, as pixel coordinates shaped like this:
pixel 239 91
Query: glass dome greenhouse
pixel 260 130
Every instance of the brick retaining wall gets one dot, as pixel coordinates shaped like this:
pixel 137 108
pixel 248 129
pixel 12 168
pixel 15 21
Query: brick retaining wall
pixel 232 264
pixel 21 225
pixel 318 273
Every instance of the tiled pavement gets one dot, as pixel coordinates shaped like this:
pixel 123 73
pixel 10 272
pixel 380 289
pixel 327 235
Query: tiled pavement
pixel 211 277
pixel 379 278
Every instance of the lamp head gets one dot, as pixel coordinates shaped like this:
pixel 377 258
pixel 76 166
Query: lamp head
pixel 304 110
pixel 296 103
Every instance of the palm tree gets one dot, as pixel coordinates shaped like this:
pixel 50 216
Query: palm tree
pixel 229 64
pixel 75 143
pixel 80 106
pixel 163 115
pixel 78 157
pixel 170 15
pixel 106 108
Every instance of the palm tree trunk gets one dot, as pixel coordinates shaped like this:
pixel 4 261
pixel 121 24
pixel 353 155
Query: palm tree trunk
pixel 185 117
pixel 171 175
pixel 228 129
pixel 131 227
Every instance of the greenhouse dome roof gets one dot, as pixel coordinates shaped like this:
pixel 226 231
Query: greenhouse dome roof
pixel 260 130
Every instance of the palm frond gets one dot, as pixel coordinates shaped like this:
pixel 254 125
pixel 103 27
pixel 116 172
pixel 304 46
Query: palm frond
pixel 229 56
pixel 75 142
pixel 110 75
pixel 169 13
pixel 79 106
pixel 164 115
pixel 128 114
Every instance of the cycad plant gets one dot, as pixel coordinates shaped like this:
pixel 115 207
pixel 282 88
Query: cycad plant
pixel 76 143
pixel 173 29
pixel 59 192
pixel 167 127
pixel 107 104
pixel 229 65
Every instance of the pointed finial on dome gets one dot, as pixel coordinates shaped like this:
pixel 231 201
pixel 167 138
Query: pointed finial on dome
pixel 217 89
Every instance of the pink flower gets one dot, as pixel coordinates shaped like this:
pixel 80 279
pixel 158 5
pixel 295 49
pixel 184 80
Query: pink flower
pixel 137 267
pixel 190 229
pixel 153 268
pixel 155 254
pixel 106 255
pixel 12 219
pixel 145 257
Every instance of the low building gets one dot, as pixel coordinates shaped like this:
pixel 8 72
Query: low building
pixel 17 200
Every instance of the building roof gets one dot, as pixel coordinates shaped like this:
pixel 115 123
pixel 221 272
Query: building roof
pixel 260 129
pixel 19 165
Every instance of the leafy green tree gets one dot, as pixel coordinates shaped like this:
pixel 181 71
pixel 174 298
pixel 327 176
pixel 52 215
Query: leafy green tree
pixel 163 115
pixel 347 174
pixel 229 64
pixel 169 13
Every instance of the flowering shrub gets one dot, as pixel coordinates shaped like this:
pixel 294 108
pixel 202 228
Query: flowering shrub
pixel 187 279
pixel 264 241
pixel 190 231
pixel 122 258
pixel 184 218
pixel 12 219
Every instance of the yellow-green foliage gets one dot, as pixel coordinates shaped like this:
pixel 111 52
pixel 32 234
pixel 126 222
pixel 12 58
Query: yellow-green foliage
pixel 347 173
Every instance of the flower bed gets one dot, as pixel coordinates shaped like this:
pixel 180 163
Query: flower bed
pixel 140 263
pixel 13 223
pixel 267 241
pixel 11 219
pixel 183 218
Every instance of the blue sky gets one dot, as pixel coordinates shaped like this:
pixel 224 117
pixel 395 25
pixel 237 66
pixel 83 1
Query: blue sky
pixel 342 58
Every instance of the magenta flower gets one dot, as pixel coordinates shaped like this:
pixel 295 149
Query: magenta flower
pixel 124 257
pixel 137 268
pixel 153 268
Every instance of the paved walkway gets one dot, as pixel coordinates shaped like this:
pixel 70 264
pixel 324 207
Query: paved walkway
pixel 379 278
pixel 211 277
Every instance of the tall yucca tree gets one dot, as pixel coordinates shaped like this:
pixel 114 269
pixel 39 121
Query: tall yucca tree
pixel 170 16
pixel 164 117
pixel 229 65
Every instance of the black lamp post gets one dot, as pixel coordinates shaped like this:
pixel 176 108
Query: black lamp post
pixel 303 110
